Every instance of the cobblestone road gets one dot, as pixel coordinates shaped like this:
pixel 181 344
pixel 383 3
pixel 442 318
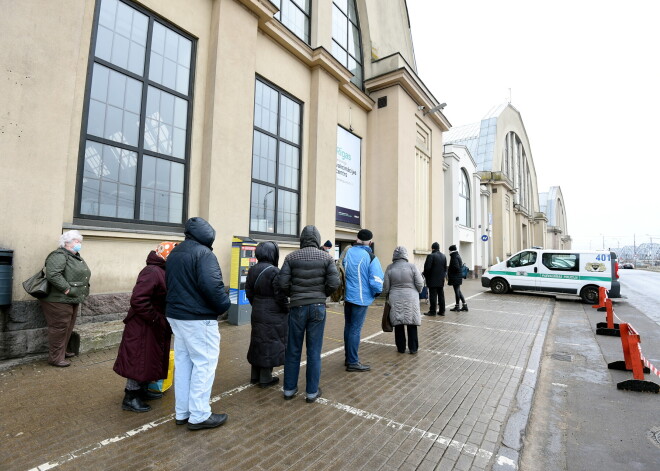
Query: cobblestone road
pixel 444 408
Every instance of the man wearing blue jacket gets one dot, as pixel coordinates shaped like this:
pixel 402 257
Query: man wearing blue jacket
pixel 364 281
pixel 196 296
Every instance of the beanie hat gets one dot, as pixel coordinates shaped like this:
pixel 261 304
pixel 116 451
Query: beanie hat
pixel 327 244
pixel 365 235
pixel 435 246
pixel 164 249
pixel 452 248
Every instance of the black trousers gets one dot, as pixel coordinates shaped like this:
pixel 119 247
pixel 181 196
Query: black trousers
pixel 261 375
pixel 437 298
pixel 458 294
pixel 400 338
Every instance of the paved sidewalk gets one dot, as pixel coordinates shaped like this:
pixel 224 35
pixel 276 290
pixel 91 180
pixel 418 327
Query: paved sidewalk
pixel 447 407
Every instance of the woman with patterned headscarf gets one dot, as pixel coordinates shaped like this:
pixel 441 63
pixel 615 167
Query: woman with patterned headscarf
pixel 144 351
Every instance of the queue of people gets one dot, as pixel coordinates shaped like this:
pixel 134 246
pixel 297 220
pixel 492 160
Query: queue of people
pixel 180 291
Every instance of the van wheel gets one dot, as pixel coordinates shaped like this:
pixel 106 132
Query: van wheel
pixel 499 286
pixel 589 294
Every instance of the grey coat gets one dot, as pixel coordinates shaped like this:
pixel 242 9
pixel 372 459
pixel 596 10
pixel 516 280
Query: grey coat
pixel 403 283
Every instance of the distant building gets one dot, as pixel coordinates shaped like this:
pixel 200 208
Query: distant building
pixel 502 152
pixel 552 204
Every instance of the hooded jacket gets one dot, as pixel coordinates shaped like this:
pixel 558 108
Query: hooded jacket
pixel 270 320
pixel 403 283
pixel 144 351
pixel 364 275
pixel 195 290
pixel 309 275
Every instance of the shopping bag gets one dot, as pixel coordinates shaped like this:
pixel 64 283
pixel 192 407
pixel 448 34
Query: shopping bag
pixel 163 385
pixel 386 322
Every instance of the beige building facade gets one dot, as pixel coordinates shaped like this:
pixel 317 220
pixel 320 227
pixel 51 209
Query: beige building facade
pixel 552 204
pixel 122 119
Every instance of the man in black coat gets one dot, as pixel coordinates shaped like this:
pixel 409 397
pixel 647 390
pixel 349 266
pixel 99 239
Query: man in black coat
pixel 435 272
pixel 308 277
pixel 196 296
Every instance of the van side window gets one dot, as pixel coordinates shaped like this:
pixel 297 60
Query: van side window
pixel 523 259
pixel 561 261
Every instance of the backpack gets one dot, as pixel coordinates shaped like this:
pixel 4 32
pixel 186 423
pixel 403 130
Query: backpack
pixel 340 293
pixel 464 271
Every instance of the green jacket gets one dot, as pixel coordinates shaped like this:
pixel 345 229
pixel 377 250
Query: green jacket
pixel 66 270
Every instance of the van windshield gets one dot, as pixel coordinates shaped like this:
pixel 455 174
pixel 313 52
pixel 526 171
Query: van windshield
pixel 522 259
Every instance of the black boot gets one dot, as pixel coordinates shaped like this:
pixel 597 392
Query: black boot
pixel 147 395
pixel 133 403
pixel 456 308
pixel 464 308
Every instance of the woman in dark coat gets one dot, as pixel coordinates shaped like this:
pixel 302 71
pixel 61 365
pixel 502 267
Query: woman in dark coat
pixel 270 315
pixel 144 352
pixel 455 278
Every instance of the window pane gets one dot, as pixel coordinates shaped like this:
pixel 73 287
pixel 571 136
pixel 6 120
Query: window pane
pixel 263 157
pixel 265 109
pixel 343 4
pixel 159 135
pixel 339 54
pixel 340 28
pixel 289 159
pixel 352 13
pixel 290 120
pixel 161 199
pixel 262 208
pixel 294 14
pixel 287 213
pixel 170 59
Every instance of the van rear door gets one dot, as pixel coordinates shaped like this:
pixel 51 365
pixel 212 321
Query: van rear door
pixel 559 272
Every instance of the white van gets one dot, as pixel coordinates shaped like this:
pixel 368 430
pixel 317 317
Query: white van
pixel 556 271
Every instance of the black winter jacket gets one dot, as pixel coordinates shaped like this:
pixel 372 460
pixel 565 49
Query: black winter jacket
pixel 455 272
pixel 309 275
pixel 270 319
pixel 435 269
pixel 195 290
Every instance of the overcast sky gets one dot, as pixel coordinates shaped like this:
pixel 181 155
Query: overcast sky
pixel 585 76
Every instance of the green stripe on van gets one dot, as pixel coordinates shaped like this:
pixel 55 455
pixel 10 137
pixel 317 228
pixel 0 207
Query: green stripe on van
pixel 554 276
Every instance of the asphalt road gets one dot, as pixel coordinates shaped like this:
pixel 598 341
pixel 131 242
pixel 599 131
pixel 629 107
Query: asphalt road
pixel 641 289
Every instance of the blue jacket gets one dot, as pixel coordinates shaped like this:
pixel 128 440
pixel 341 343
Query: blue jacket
pixel 195 290
pixel 364 276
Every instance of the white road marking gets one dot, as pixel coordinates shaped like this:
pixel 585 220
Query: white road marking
pixel 560 385
pixel 481 327
pixel 460 357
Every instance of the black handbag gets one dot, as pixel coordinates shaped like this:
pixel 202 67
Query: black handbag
pixel 37 285
pixel 386 323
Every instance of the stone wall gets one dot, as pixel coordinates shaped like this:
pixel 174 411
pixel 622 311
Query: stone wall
pixel 23 327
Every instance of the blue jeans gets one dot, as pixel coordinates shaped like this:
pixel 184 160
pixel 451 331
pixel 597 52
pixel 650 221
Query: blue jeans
pixel 354 316
pixel 196 351
pixel 304 320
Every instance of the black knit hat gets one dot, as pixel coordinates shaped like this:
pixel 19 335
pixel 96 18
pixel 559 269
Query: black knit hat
pixel 452 248
pixel 365 235
pixel 327 244
pixel 435 246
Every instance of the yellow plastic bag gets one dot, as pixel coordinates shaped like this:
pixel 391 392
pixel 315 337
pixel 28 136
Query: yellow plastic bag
pixel 163 385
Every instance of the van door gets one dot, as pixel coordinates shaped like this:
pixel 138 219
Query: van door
pixel 560 272
pixel 523 271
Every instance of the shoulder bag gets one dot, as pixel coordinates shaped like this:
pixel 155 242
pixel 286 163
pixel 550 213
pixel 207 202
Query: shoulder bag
pixel 386 323
pixel 37 285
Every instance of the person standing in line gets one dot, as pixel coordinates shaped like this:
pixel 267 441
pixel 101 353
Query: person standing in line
pixel 435 272
pixel 455 278
pixel 270 315
pixel 329 247
pixel 196 296
pixel 364 281
pixel 68 276
pixel 308 277
pixel 403 283
pixel 144 351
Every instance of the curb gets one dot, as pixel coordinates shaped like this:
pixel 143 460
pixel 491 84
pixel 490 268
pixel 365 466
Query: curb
pixel 508 455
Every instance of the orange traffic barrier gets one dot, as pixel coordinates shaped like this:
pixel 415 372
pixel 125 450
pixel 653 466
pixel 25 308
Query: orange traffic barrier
pixel 602 296
pixel 630 342
pixel 608 327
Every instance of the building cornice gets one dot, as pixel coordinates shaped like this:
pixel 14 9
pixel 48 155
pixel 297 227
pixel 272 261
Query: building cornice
pixel 405 79
pixel 312 58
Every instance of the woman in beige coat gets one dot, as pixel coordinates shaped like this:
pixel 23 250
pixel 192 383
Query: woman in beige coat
pixel 403 283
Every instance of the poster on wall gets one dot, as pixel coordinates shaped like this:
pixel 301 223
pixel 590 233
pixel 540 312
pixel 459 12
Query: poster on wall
pixel 348 177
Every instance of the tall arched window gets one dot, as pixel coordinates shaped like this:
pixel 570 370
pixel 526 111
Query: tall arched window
pixel 464 216
pixel 346 40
